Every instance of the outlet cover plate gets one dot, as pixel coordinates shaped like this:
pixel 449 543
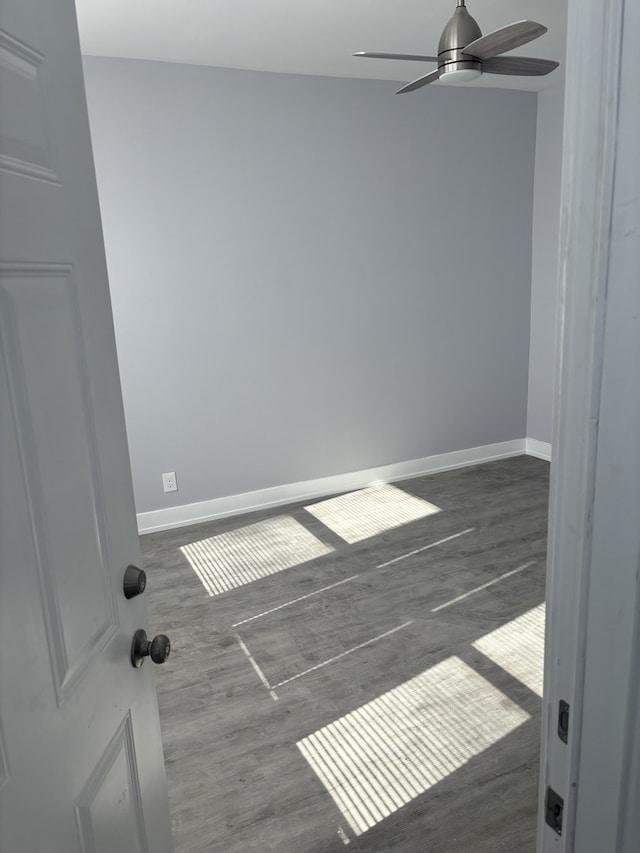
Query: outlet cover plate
pixel 169 482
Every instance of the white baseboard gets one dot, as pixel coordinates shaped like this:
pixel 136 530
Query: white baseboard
pixel 540 449
pixel 196 513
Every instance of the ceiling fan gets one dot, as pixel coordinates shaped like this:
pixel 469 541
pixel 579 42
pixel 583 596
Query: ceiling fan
pixel 464 53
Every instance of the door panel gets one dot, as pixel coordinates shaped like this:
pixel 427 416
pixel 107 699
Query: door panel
pixel 45 361
pixel 24 145
pixel 111 799
pixel 81 764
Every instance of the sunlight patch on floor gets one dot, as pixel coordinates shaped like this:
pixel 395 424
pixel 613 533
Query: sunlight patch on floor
pixel 518 647
pixel 381 756
pixel 359 515
pixel 239 557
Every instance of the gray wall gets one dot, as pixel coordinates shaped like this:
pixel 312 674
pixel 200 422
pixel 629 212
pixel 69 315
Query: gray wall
pixel 310 276
pixel 544 268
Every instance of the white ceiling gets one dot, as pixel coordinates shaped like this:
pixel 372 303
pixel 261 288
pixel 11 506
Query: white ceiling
pixel 307 36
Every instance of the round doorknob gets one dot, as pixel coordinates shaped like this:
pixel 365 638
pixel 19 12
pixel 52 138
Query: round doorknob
pixel 134 583
pixel 157 649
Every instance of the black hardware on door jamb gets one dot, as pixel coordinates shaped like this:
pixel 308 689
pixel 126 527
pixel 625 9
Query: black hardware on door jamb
pixel 563 721
pixel 554 806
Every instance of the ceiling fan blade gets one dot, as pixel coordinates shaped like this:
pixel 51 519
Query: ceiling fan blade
pixel 420 82
pixel 414 57
pixel 520 66
pixel 504 39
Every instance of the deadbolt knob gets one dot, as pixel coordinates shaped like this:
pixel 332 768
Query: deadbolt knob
pixel 157 649
pixel 135 582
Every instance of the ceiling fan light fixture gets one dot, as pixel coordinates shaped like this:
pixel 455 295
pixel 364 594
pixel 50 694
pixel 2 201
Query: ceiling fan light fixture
pixel 459 75
pixel 464 54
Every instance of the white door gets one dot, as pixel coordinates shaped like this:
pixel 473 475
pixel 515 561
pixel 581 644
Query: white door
pixel 81 765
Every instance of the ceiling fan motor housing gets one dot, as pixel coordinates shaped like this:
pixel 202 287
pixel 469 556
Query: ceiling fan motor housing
pixel 461 30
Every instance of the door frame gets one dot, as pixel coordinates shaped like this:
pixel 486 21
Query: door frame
pixel 593 610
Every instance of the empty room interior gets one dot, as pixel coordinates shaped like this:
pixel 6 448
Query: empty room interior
pixel 335 312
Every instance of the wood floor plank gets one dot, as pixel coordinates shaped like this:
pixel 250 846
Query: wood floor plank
pixel 238 781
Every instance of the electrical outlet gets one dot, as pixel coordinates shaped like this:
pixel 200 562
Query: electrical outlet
pixel 169 482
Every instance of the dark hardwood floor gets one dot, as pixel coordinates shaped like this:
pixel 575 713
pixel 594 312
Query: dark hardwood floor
pixel 380 692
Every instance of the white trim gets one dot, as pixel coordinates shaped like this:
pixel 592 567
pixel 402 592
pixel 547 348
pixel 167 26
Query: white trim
pixel 196 513
pixel 539 449
pixel 593 594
